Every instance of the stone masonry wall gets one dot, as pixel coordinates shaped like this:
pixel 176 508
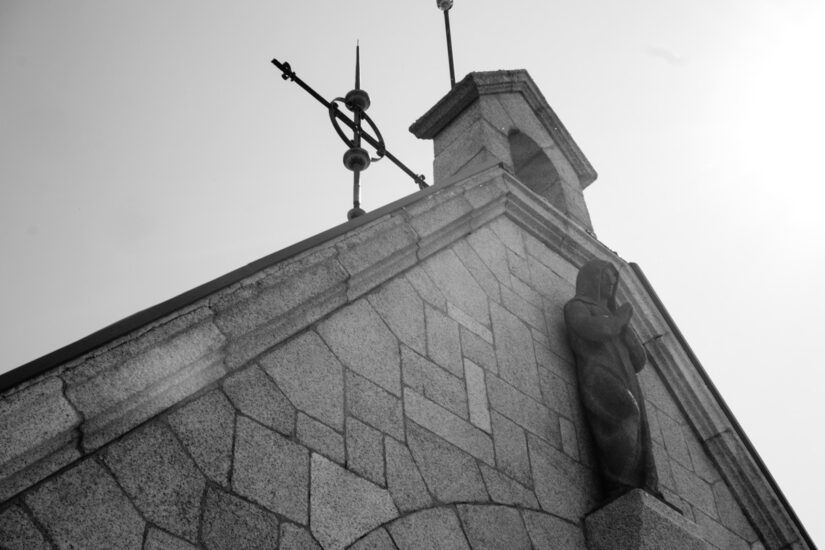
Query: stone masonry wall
pixel 437 410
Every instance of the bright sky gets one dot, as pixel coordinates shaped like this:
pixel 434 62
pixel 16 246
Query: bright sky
pixel 148 147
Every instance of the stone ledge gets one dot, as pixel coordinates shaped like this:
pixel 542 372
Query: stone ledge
pixel 639 521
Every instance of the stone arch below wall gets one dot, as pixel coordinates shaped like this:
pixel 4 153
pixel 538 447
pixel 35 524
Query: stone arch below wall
pixel 474 526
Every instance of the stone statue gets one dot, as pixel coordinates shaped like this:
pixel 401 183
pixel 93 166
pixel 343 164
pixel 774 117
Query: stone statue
pixel 608 356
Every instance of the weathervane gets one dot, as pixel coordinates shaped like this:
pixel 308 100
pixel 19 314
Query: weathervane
pixel 445 5
pixel 356 159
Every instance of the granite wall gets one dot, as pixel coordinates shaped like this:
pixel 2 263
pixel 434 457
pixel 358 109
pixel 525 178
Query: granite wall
pixel 405 385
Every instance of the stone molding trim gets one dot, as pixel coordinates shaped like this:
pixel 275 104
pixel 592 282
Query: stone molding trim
pixel 493 82
pixel 65 413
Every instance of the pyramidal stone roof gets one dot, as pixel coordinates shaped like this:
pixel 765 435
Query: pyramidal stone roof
pixel 404 375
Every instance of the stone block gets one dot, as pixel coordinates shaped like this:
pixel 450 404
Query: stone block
pixel 161 540
pixel 439 221
pixel 492 252
pixel 403 478
pixel 365 451
pixel 83 507
pixel 457 127
pixel 230 523
pixel 477 395
pixel 662 460
pixel 730 514
pixel 557 364
pixel 297 538
pixel 469 323
pixel 435 528
pixel 477 268
pixel 514 351
pixel 569 439
pixel 362 342
pixel 310 376
pixel 443 344
pixel 547 531
pixel 550 259
pixel 426 288
pixel 491 527
pixel 371 404
pixel 511 449
pixel 478 351
pixel 557 393
pixel 378 539
pixel 694 489
pixel 557 335
pixel 267 309
pixel 655 391
pixel 504 490
pixel 255 394
pixel 519 266
pixel 450 474
pixel 564 488
pixel 524 411
pixel 445 424
pixel 674 437
pixel 457 285
pixel 403 310
pixel 344 506
pixel 522 309
pixel 718 535
pixel 702 464
pixel 638 521
pixel 321 438
pixel 271 470
pixel 376 253
pixel 206 428
pixel 526 292
pixel 509 234
pixel 555 289
pixel 159 477
pixel 116 395
pixel 18 532
pixel 433 382
pixel 38 433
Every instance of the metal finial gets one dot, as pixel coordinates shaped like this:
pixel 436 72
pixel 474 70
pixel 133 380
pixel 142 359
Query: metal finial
pixel 357 65
pixel 445 6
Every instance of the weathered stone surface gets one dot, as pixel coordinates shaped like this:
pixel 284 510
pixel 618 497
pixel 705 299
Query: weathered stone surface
pixel 377 252
pixel 478 351
pixel 268 308
pixel 637 521
pixel 480 272
pixel 564 488
pixel 161 540
pixel 675 440
pixel 443 344
pixel 492 252
pixel 206 428
pixel 445 424
pixel 541 252
pixel 655 391
pixel 458 285
pixel 493 527
pixel 719 536
pixel 450 474
pixel 255 395
pixel 230 523
pixel 403 310
pixel 730 514
pixel 551 532
pixel 344 506
pixel 363 343
pixel 403 479
pixel 271 470
pixel 504 490
pixel 365 451
pixel 84 508
pixel 510 235
pixel 519 266
pixel 426 288
pixel 700 459
pixel 321 438
pixel 455 313
pixel 18 532
pixel 433 382
pixel 477 396
pixel 511 449
pixel 37 433
pixel 546 359
pixel 524 310
pixel 569 439
pixel 439 221
pixel 296 538
pixel 117 391
pixel 435 528
pixel 694 489
pixel 371 404
pixel 549 284
pixel 524 411
pixel 378 539
pixel 514 351
pixel 310 376
pixel 159 476
pixel 556 392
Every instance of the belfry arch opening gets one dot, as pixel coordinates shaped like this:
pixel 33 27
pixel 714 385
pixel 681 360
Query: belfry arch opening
pixel 535 170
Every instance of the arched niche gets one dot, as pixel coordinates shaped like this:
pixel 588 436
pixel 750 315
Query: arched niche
pixel 534 169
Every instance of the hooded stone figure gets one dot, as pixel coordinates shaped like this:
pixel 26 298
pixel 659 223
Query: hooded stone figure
pixel 608 356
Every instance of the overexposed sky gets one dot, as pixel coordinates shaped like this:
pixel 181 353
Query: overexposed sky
pixel 148 147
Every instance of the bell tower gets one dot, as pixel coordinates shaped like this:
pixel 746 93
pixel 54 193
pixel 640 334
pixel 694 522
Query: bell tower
pixel 502 115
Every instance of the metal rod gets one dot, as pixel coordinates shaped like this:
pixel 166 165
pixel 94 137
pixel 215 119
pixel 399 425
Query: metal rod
pixel 290 75
pixel 449 47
